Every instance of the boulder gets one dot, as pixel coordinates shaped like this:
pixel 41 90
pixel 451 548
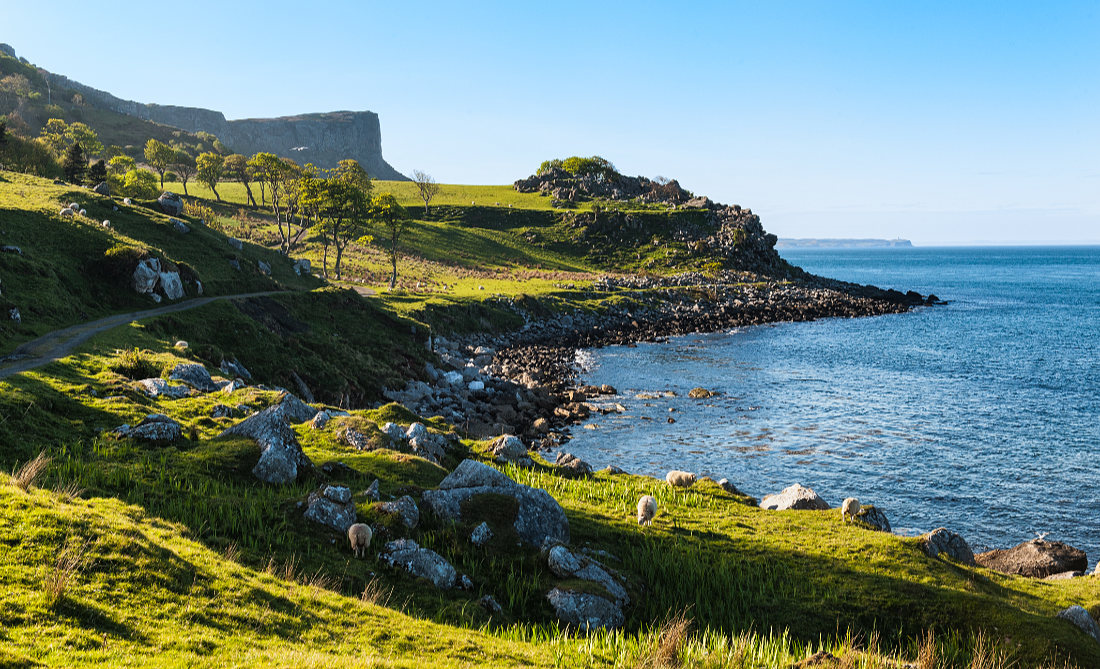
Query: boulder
pixel 481 535
pixel 1079 616
pixel 320 420
pixel 431 447
pixel 405 509
pixel 416 431
pixel 394 432
pixel 221 411
pixel 725 484
pixel 331 505
pixel 281 456
pixel 170 203
pixel 420 562
pixel 234 369
pixel 453 378
pixel 159 387
pixel 490 604
pixel 179 226
pixel 942 541
pixel 794 497
pixel 194 375
pixel 585 611
pixel 539 517
pixel 1035 558
pixel 613 470
pixel 155 427
pixel 567 564
pixel 372 491
pixel 264 268
pixel 573 464
pixel 145 276
pixel 171 285
pixel 14 315
pixel 874 518
pixel 236 243
pixel 102 188
pixel 509 448
pixel 302 267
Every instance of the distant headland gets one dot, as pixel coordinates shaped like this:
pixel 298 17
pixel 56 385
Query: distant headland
pixel 842 243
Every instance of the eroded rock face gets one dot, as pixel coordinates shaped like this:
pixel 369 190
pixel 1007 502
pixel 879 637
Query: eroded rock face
pixel 420 562
pixel 942 541
pixel 794 497
pixel 281 456
pixel 585 611
pixel 157 387
pixel 567 564
pixel 331 506
pixel 1035 558
pixel 1079 616
pixel 539 517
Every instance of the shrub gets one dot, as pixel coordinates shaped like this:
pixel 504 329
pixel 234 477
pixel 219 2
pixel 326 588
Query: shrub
pixel 68 564
pixel 133 363
pixel 119 261
pixel 139 183
pixel 200 211
pixel 28 156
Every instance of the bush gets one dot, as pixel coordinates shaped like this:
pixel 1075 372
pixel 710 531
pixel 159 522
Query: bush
pixel 139 183
pixel 200 211
pixel 119 261
pixel 28 156
pixel 579 166
pixel 133 363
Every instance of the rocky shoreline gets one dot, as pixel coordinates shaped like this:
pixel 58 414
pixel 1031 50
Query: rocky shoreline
pixel 524 382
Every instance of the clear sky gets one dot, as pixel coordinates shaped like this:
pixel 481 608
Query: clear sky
pixel 937 121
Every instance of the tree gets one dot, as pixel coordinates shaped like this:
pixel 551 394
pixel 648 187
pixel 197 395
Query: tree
pixel 426 186
pixel 159 156
pixel 98 172
pixel 139 183
pixel 3 131
pixel 121 164
pixel 75 164
pixel 55 135
pixel 89 140
pixel 385 210
pixel 236 168
pixel 341 206
pixel 59 136
pixel 278 175
pixel 184 165
pixel 211 166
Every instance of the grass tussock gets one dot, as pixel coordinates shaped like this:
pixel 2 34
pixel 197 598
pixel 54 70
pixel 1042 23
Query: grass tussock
pixel 377 593
pixel 71 559
pixel 667 644
pixel 134 363
pixel 26 475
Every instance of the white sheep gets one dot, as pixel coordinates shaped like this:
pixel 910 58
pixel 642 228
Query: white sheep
pixel 680 479
pixel 360 535
pixel 849 508
pixel 647 508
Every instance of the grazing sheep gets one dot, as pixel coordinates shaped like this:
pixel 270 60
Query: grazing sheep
pixel 360 535
pixel 849 508
pixel 680 479
pixel 647 508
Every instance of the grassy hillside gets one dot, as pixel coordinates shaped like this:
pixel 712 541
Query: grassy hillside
pixel 174 554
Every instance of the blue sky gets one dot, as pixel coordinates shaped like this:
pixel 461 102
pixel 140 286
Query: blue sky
pixel 940 122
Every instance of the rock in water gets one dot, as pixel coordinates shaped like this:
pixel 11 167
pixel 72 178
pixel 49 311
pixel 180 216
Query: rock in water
pixel 1035 558
pixel 794 497
pixel 942 541
pixel 539 517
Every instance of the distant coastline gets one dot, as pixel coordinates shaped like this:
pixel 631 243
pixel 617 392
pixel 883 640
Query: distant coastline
pixel 807 243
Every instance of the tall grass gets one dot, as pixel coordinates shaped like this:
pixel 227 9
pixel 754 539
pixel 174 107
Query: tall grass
pixel 70 560
pixel 27 475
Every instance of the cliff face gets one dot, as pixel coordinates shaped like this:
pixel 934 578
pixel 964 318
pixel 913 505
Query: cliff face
pixel 326 138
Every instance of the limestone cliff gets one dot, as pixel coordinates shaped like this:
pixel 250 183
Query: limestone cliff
pixel 321 139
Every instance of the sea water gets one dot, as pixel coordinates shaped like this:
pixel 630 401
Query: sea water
pixel 981 415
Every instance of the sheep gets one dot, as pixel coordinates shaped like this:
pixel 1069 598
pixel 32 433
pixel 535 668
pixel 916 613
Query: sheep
pixel 360 535
pixel 680 479
pixel 647 508
pixel 849 508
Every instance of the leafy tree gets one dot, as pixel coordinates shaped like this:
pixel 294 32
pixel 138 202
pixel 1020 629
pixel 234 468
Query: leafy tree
pixel 341 205
pixel 385 210
pixel 236 168
pixel 121 164
pixel 98 172
pixel 184 165
pixel 547 165
pixel 75 164
pixel 60 136
pixel 139 183
pixel 278 176
pixel 55 135
pixel 159 156
pixel 426 186
pixel 89 140
pixel 594 165
pixel 211 166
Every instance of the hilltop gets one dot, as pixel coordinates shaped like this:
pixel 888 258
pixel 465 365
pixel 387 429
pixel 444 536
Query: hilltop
pixel 200 467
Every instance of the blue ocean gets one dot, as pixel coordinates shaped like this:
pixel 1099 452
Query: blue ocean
pixel 982 415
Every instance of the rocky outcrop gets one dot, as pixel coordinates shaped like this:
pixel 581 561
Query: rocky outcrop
pixel 942 541
pixel 794 497
pixel 585 611
pixel 281 457
pixel 1079 616
pixel 1035 558
pixel 420 562
pixel 331 506
pixel 404 508
pixel 539 517
pixel 156 428
pixel 564 563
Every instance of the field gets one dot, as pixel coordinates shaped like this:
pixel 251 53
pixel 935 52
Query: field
pixel 131 553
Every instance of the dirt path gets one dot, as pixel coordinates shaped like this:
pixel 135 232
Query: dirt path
pixel 59 343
